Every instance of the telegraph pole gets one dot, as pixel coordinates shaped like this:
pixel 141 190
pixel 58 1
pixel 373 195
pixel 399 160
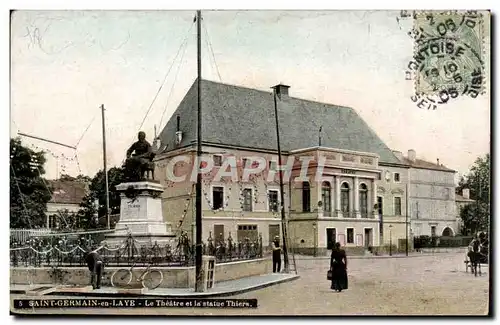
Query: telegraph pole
pixel 198 220
pixel 105 165
pixel 407 196
pixel 282 194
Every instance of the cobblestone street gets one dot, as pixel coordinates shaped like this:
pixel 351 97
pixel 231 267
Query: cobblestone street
pixel 420 285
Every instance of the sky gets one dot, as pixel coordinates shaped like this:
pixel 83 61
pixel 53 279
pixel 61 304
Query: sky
pixel 65 64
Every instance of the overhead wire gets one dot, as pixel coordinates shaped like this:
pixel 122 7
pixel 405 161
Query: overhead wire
pixel 166 75
pixel 81 137
pixel 173 84
pixel 211 51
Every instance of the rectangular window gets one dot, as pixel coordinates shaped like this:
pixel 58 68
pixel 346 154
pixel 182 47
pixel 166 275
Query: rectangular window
pixel 379 176
pixel 244 162
pixel 217 197
pixel 217 160
pixel 396 178
pixel 272 165
pixel 247 199
pixel 433 231
pixel 273 200
pixel 274 230
pixel 306 197
pixel 247 232
pixel 350 235
pixel 397 206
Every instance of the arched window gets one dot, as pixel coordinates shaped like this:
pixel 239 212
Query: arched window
pixel 344 198
pixel 326 197
pixel 363 200
pixel 306 197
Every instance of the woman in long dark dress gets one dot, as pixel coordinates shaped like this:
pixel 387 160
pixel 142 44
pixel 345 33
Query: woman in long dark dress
pixel 338 265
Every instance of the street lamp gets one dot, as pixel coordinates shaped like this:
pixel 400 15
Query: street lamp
pixel 390 240
pixel 315 234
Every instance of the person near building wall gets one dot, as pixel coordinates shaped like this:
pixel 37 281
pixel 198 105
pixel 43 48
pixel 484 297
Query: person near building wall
pixel 276 255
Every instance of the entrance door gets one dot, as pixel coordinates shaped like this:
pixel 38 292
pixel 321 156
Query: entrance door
pixel 368 237
pixel 331 237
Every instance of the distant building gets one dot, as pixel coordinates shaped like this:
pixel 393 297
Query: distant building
pixel 433 209
pixel 66 196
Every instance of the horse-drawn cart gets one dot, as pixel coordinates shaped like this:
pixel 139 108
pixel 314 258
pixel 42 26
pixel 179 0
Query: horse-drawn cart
pixel 477 255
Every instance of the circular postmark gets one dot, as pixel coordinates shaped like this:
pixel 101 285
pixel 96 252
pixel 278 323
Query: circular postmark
pixel 448 58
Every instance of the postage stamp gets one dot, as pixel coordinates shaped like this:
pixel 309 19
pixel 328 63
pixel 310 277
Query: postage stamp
pixel 448 54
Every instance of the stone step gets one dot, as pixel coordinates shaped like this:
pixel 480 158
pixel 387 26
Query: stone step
pixel 41 290
pixel 74 288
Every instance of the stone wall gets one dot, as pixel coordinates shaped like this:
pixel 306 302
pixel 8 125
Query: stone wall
pixel 173 277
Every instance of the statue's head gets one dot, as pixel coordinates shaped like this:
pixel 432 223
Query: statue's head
pixel 141 136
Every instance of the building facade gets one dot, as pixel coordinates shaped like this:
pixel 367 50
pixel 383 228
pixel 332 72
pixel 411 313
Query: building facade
pixel 392 197
pixel 431 201
pixel 359 199
pixel 66 196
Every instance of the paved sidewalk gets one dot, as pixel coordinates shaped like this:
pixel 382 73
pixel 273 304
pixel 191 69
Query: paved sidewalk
pixel 226 288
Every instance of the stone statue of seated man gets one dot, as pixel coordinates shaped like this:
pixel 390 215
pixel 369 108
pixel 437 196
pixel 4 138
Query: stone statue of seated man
pixel 139 163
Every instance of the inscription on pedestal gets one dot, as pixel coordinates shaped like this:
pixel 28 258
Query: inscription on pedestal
pixel 130 210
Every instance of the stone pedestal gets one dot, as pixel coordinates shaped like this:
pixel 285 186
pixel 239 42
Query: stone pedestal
pixel 141 214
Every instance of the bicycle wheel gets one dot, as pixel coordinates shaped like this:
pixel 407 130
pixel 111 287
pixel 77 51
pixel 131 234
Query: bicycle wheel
pixel 121 278
pixel 152 279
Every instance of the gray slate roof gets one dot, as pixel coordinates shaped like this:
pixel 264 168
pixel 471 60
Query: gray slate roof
pixel 244 117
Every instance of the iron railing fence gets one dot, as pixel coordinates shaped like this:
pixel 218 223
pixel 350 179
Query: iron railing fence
pixel 70 251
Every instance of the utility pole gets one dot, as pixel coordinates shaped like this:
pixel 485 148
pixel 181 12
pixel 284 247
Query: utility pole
pixel 198 220
pixel 407 196
pixel 282 194
pixel 105 165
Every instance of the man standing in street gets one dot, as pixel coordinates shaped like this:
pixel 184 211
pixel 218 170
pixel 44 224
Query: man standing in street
pixel 96 268
pixel 276 255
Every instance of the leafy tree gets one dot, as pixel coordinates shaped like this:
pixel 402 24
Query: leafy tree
pixel 98 191
pixel 475 217
pixel 477 180
pixel 29 192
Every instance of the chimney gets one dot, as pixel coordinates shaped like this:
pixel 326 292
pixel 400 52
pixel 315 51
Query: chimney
pixel 466 193
pixel 281 90
pixel 178 132
pixel 437 161
pixel 412 155
pixel 398 154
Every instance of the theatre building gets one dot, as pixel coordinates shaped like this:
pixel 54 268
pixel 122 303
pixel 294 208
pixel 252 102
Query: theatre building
pixel 336 164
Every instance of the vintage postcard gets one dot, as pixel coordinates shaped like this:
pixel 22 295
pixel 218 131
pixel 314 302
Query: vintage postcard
pixel 250 162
